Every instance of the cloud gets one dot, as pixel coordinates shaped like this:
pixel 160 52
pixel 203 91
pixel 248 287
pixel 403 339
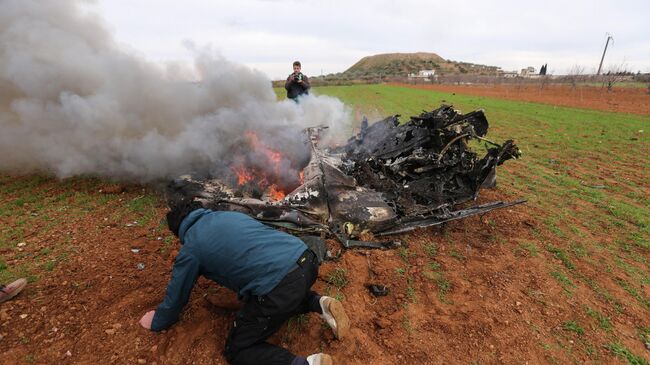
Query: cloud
pixel 340 32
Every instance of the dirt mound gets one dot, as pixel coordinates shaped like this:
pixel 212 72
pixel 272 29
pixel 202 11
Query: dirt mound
pixel 401 64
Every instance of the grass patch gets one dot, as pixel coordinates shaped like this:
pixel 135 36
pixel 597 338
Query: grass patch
pixel 603 321
pixel 435 275
pixel 406 255
pixel 573 326
pixel 564 281
pixel 623 353
pixel 337 278
pixel 430 249
pixel 457 255
pixel 560 255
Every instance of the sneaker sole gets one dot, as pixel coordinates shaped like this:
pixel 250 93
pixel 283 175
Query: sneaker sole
pixel 342 321
pixel 326 360
pixel 21 285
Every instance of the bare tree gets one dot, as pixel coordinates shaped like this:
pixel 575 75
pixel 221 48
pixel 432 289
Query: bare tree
pixel 614 75
pixel 576 75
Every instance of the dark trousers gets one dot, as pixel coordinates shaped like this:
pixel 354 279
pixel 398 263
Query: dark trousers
pixel 262 316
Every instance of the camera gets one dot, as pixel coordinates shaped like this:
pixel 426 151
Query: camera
pixel 297 77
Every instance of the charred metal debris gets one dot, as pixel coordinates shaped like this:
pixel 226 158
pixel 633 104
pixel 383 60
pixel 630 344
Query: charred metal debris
pixel 389 178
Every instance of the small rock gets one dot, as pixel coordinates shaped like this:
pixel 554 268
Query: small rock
pixel 68 353
pixel 517 304
pixel 117 326
pixel 142 361
pixel 154 348
pixel 110 331
pixel 23 316
pixel 382 323
pixel 135 250
pixel 22 244
pixel 140 266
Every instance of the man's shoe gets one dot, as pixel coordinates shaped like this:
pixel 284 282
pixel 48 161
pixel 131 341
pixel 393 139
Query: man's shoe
pixel 335 316
pixel 11 290
pixel 320 359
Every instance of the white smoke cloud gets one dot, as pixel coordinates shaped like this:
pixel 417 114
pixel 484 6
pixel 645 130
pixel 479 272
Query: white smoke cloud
pixel 73 102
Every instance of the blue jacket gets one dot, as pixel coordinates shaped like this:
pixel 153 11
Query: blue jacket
pixel 232 249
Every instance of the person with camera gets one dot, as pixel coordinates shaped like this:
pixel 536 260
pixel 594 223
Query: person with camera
pixel 297 83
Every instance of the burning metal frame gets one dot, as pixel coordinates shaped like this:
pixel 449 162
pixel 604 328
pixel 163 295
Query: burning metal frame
pixel 390 178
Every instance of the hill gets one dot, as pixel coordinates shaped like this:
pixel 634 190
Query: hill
pixel 401 64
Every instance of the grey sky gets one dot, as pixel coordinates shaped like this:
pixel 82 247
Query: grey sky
pixel 329 36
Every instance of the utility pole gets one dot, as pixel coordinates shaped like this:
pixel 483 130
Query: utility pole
pixel 609 36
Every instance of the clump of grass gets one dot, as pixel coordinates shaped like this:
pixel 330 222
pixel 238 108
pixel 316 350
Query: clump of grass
pixel 406 324
pixel 573 326
pixel 603 322
pixel 410 290
pixel 531 248
pixel 564 281
pixel 633 292
pixel 430 249
pixel 405 254
pixel 438 277
pixel 457 255
pixel 338 278
pixel 50 265
pixel 560 255
pixel 622 352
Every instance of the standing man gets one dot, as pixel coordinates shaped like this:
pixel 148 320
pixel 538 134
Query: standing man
pixel 297 83
pixel 271 271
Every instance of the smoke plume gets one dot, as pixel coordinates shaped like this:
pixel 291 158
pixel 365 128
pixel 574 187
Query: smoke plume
pixel 73 102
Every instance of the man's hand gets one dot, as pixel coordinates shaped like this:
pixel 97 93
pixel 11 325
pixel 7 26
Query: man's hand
pixel 146 320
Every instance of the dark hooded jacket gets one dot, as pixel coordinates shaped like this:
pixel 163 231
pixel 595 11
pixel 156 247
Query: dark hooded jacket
pixel 232 249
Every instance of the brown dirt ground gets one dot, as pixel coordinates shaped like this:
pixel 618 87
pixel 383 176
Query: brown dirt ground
pixel 620 99
pixel 502 304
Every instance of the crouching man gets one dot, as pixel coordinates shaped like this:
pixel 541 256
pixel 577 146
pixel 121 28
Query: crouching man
pixel 271 271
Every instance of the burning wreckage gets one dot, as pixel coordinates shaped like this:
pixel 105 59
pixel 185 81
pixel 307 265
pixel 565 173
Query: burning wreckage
pixel 389 178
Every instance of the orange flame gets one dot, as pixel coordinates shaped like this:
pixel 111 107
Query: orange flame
pixel 257 175
pixel 243 175
pixel 275 194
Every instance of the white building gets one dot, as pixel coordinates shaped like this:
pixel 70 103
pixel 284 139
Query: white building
pixel 424 75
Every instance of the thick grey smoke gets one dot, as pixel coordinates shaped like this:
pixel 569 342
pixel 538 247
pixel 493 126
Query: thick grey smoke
pixel 72 102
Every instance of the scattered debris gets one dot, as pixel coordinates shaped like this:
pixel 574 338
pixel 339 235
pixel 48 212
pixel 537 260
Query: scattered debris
pixel 389 178
pixel 377 290
pixel 140 266
pixel 135 250
pixel 593 186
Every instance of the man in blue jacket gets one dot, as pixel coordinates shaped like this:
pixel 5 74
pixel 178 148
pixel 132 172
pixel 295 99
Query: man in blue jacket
pixel 271 271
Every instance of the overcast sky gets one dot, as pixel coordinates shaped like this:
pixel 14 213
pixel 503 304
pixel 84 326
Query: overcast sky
pixel 330 36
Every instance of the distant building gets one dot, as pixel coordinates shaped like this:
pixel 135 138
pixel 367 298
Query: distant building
pixel 509 74
pixel 424 75
pixel 528 72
